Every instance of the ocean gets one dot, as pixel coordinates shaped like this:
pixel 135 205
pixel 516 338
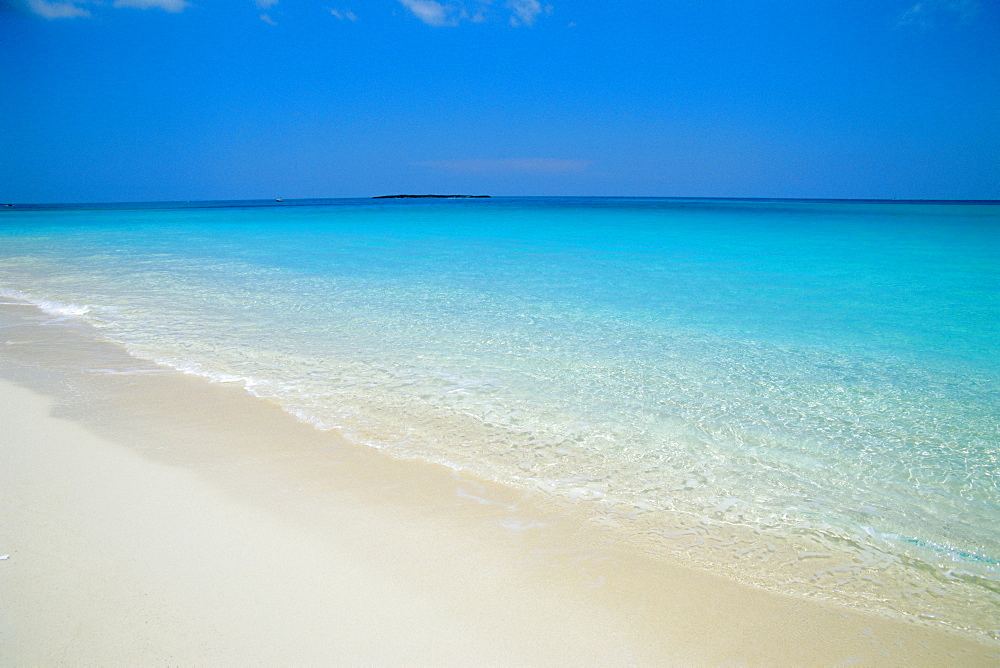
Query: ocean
pixel 804 395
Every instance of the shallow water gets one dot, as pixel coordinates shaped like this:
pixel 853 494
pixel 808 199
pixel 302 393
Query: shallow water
pixel 803 394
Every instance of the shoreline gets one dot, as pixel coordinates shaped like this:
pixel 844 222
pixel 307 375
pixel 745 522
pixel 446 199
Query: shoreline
pixel 223 529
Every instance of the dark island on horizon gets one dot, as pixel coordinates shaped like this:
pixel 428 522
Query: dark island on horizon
pixel 425 196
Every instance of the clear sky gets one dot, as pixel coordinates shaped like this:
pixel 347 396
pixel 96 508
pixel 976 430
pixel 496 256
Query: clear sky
pixel 127 100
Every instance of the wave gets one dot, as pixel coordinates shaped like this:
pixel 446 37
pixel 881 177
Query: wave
pixel 49 306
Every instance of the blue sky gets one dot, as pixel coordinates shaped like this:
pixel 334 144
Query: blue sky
pixel 127 100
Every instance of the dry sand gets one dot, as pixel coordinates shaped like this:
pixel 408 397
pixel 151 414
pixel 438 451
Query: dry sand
pixel 155 518
pixel 117 559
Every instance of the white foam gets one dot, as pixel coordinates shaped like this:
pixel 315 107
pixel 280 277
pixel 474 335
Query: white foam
pixel 50 306
pixel 195 369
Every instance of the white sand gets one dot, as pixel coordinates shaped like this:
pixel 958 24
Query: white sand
pixel 117 559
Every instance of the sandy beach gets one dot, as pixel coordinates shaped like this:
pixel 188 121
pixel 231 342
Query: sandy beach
pixel 155 518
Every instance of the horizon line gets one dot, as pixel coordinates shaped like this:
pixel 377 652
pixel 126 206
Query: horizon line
pixel 263 202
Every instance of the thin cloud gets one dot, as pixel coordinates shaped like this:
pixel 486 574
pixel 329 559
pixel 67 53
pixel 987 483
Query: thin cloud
pixel 524 12
pixel 166 5
pixel 57 10
pixel 928 13
pixel 265 4
pixel 916 16
pixel 433 13
pixel 454 12
pixel 483 166
pixel 268 20
pixel 345 15
pixel 68 9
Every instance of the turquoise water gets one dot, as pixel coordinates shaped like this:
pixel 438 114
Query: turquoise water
pixel 808 383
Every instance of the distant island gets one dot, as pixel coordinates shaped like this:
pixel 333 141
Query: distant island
pixel 423 196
